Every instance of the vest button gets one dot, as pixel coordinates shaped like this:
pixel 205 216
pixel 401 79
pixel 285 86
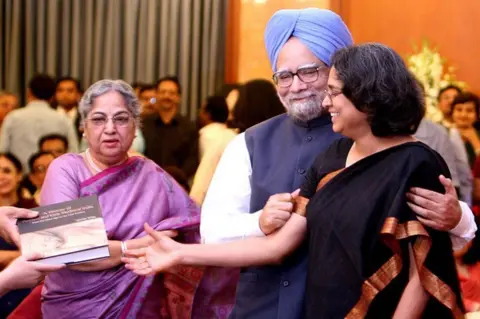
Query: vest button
pixel 301 171
pixel 286 283
pixel 308 138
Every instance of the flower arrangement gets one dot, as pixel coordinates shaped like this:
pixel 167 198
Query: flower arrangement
pixel 429 67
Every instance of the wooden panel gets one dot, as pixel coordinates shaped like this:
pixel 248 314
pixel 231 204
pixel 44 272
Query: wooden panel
pixel 246 55
pixel 454 27
pixel 232 41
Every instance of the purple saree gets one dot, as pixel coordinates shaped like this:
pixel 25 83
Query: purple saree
pixel 131 194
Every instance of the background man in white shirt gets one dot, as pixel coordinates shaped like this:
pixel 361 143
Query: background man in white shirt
pixel 23 128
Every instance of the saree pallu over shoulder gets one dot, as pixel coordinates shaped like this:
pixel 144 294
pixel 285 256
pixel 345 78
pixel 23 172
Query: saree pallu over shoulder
pixel 360 228
pixel 100 182
pixel 131 194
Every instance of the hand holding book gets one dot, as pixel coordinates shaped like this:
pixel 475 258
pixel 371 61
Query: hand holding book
pixel 70 232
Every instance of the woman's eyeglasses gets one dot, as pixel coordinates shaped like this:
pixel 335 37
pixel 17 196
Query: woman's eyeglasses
pixel 119 120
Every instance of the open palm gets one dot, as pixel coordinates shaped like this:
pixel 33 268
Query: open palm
pixel 158 257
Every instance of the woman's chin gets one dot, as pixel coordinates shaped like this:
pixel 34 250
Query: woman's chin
pixel 337 128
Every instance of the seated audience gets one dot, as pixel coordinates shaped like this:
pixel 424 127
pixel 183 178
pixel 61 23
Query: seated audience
pixel 10 195
pixel 39 163
pixel 53 143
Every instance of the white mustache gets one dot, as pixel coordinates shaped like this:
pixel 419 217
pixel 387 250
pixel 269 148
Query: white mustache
pixel 301 96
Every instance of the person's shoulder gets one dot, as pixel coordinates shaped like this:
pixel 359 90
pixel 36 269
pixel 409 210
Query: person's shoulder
pixel 338 150
pixel 148 164
pixel 69 161
pixel 15 114
pixel 418 150
pixel 420 155
pixel 431 128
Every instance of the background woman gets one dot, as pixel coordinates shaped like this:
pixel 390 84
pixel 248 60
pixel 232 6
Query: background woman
pixel 11 195
pixel 465 110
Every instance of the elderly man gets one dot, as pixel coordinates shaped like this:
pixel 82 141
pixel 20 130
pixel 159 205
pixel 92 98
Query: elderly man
pixel 250 193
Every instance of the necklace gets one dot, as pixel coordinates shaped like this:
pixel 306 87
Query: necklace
pixel 93 165
pixel 90 161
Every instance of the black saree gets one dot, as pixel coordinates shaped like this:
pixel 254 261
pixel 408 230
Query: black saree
pixel 359 229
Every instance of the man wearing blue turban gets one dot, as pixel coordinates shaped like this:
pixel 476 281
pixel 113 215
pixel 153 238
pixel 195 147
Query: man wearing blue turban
pixel 251 191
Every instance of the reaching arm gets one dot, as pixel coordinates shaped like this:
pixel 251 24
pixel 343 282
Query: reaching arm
pixel 115 248
pixel 23 272
pixel 166 253
pixel 251 251
pixel 414 297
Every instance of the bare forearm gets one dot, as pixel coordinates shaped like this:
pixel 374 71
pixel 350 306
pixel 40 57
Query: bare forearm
pixel 3 284
pixel 248 252
pixel 115 249
pixel 414 297
pixel 413 301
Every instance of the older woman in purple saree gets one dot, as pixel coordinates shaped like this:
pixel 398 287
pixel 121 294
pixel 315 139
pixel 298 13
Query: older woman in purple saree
pixel 131 191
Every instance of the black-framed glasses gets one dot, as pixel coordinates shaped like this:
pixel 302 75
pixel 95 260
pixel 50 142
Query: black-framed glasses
pixel 306 74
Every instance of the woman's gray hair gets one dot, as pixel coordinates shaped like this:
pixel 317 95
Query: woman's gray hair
pixel 104 86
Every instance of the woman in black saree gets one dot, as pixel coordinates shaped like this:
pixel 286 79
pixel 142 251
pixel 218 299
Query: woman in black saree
pixel 369 256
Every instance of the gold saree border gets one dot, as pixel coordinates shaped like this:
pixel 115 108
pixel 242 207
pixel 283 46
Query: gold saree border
pixel 392 231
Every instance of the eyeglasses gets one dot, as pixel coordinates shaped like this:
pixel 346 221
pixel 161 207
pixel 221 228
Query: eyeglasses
pixel 306 74
pixel 331 95
pixel 40 169
pixel 119 120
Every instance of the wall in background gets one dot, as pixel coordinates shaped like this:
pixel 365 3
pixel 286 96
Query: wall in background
pixel 246 56
pixel 454 27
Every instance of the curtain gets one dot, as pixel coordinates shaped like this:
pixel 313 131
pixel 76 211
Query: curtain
pixel 133 40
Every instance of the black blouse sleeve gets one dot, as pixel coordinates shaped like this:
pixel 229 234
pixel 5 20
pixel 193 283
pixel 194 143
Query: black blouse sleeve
pixel 309 187
pixel 332 159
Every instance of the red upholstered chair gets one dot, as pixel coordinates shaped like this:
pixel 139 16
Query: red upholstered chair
pixel 31 307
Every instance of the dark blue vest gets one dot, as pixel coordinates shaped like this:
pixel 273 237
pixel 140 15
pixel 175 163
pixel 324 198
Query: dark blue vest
pixel 281 152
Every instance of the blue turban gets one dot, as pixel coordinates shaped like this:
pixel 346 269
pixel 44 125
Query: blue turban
pixel 322 31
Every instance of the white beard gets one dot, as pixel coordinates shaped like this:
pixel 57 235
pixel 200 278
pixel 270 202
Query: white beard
pixel 304 111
